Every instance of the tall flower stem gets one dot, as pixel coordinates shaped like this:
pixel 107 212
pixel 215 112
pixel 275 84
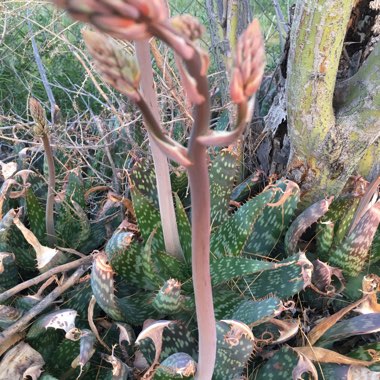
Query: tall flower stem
pixel 161 167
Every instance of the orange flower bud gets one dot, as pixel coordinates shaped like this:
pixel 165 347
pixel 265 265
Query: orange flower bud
pixel 249 64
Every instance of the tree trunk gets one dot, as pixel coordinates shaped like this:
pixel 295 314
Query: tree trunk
pixel 329 135
pixel 329 96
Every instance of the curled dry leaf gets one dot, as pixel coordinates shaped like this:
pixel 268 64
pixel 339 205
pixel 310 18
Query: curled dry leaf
pixel 322 277
pixel 304 366
pixel 21 361
pixel 46 257
pixel 154 331
pixel 370 288
pixel 287 329
pixel 4 256
pixel 304 221
pixel 323 355
pixel 8 169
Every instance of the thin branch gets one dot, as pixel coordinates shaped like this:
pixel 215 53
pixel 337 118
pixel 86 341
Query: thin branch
pixel 42 277
pixel 22 323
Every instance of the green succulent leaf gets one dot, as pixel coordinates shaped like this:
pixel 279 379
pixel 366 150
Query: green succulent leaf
pixel 235 345
pixel 102 284
pixel 143 179
pixel 176 366
pixel 275 219
pixel 172 336
pixel 5 230
pixel 169 300
pixel 290 278
pixel 8 270
pixel 248 187
pixel 36 216
pixel 280 366
pixel 253 313
pixel 227 268
pixel 330 371
pixel 72 224
pixel 184 229
pixel 222 177
pixel 230 238
pixel 148 219
pixel 324 239
pixel 363 353
pixel 353 253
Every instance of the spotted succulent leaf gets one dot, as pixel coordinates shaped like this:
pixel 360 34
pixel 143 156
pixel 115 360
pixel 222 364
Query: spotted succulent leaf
pixel 143 179
pixel 175 338
pixel 102 284
pixel 8 270
pixel 72 225
pixel 353 253
pixel 225 300
pixel 177 366
pixel 255 312
pixel 184 229
pixel 36 216
pixel 248 187
pixel 222 177
pixel 5 229
pixel 235 345
pixel 227 268
pixel 180 183
pixel 169 266
pixel 363 353
pixel 59 362
pixel 281 366
pixel 231 236
pixel 283 282
pixel 148 219
pixel 324 239
pixel 169 299
pixel 122 253
pixel 275 219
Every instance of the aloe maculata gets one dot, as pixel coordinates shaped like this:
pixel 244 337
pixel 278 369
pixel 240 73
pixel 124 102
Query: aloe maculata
pixel 258 259
pixel 147 19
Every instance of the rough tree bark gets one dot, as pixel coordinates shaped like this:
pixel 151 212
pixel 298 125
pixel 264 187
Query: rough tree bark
pixel 323 124
pixel 333 127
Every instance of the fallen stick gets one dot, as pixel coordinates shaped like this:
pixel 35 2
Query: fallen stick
pixel 44 276
pixel 20 325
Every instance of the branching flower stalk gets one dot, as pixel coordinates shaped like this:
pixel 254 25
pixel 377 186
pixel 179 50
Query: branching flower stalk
pixel 41 130
pixel 140 20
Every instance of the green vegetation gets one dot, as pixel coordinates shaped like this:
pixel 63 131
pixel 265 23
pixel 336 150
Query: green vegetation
pixel 275 275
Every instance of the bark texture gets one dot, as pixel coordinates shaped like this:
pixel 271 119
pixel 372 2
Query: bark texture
pixel 333 129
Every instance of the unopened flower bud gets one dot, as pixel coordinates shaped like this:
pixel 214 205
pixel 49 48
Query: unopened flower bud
pixel 188 25
pixel 116 67
pixel 249 64
pixel 39 116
